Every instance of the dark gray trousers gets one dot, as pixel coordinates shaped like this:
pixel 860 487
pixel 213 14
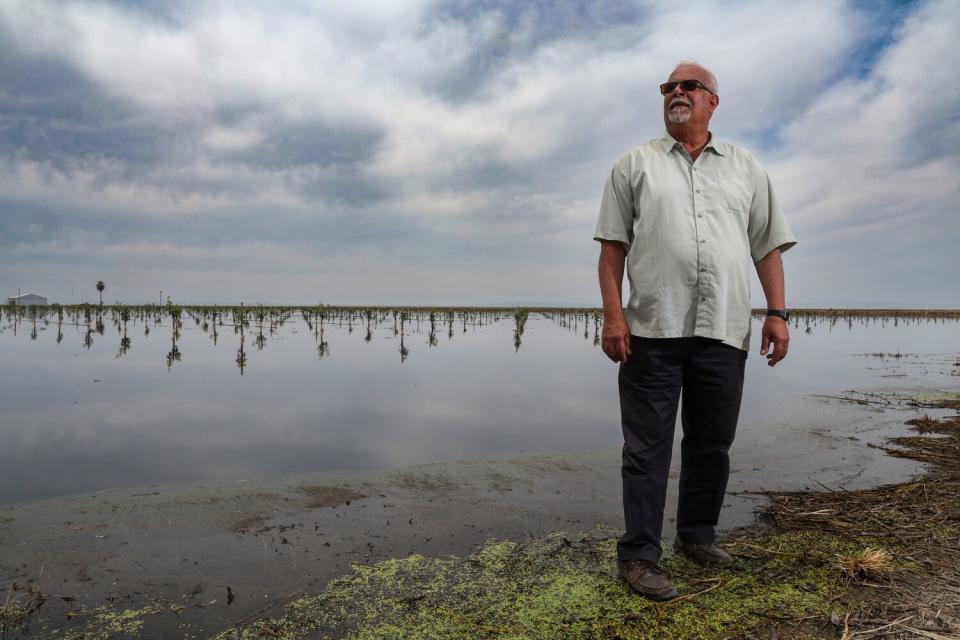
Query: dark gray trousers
pixel 710 374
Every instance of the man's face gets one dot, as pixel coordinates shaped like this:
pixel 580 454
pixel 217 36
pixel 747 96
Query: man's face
pixel 693 108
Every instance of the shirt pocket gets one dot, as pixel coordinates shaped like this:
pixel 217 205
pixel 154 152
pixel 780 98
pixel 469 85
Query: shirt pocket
pixel 735 193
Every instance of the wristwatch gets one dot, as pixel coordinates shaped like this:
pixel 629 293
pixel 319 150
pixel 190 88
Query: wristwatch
pixel 780 313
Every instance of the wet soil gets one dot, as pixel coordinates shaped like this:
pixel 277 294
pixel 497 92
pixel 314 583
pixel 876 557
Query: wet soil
pixel 268 540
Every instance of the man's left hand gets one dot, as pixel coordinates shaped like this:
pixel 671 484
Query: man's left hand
pixel 775 330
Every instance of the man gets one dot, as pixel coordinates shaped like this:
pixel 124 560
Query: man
pixel 685 214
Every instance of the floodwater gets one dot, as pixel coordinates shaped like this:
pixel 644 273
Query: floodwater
pixel 78 416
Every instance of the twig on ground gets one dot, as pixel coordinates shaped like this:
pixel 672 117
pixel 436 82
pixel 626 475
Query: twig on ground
pixel 926 634
pixel 872 631
pixel 716 583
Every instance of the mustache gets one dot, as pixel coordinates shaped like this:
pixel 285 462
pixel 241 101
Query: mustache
pixel 679 101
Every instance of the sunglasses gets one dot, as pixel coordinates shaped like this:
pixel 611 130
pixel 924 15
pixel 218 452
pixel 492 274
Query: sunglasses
pixel 687 85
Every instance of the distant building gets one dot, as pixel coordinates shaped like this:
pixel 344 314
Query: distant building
pixel 27 299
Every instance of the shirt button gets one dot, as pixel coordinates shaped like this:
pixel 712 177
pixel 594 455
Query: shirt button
pixel 702 298
pixel 702 241
pixel 699 215
pixel 698 190
pixel 703 269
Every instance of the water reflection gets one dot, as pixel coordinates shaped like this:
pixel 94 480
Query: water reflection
pixel 405 322
pixel 266 322
pixel 87 404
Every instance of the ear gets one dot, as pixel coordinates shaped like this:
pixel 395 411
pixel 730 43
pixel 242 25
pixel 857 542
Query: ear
pixel 714 101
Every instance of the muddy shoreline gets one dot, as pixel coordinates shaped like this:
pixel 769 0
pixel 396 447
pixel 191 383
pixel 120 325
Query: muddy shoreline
pixel 205 557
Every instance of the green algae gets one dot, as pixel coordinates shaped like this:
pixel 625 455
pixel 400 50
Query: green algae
pixel 129 621
pixel 564 586
pixel 942 399
pixel 561 586
pixel 106 623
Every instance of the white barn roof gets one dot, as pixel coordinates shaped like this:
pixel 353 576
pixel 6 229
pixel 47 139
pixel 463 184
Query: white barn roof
pixel 27 298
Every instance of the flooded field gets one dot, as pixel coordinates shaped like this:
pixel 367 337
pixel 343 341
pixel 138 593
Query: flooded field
pixel 195 470
pixel 126 396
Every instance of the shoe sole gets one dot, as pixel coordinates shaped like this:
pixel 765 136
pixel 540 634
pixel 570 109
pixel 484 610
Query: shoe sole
pixel 702 562
pixel 712 565
pixel 656 597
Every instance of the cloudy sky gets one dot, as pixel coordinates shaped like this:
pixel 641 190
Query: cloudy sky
pixel 454 152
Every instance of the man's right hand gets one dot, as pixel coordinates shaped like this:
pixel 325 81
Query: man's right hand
pixel 616 339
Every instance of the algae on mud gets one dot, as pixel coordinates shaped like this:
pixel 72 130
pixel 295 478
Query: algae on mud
pixel 558 587
pixel 790 581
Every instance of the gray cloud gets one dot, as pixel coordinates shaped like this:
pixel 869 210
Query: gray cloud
pixel 504 32
pixel 449 149
pixel 50 112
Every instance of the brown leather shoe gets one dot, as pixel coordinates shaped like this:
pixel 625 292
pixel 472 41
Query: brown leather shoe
pixel 705 553
pixel 647 579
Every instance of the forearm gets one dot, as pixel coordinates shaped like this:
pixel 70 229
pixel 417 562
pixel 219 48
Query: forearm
pixel 612 259
pixel 616 333
pixel 770 272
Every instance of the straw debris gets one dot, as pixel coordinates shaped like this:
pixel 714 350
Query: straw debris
pixel 869 564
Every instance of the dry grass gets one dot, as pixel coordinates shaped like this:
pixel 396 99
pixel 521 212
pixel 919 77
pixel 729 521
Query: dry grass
pixel 905 582
pixel 869 564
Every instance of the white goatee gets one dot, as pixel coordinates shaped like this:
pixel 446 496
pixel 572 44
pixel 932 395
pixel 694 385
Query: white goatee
pixel 677 115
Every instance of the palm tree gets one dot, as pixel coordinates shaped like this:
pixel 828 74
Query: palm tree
pixel 100 288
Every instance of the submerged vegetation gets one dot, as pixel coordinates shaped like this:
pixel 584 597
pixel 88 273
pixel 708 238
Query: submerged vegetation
pixel 402 323
pixel 261 323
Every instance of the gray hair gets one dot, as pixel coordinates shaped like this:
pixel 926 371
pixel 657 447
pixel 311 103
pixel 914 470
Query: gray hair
pixel 691 63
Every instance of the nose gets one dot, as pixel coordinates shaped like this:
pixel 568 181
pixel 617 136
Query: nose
pixel 677 91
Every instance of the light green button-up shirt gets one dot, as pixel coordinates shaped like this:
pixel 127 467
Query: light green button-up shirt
pixel 690 230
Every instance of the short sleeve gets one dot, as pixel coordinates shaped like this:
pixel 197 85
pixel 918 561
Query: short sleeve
pixel 767 228
pixel 615 221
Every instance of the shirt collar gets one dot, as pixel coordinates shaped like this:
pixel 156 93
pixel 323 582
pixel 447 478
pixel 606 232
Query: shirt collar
pixel 670 143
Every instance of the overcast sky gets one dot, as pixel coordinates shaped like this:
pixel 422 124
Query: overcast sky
pixel 416 152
